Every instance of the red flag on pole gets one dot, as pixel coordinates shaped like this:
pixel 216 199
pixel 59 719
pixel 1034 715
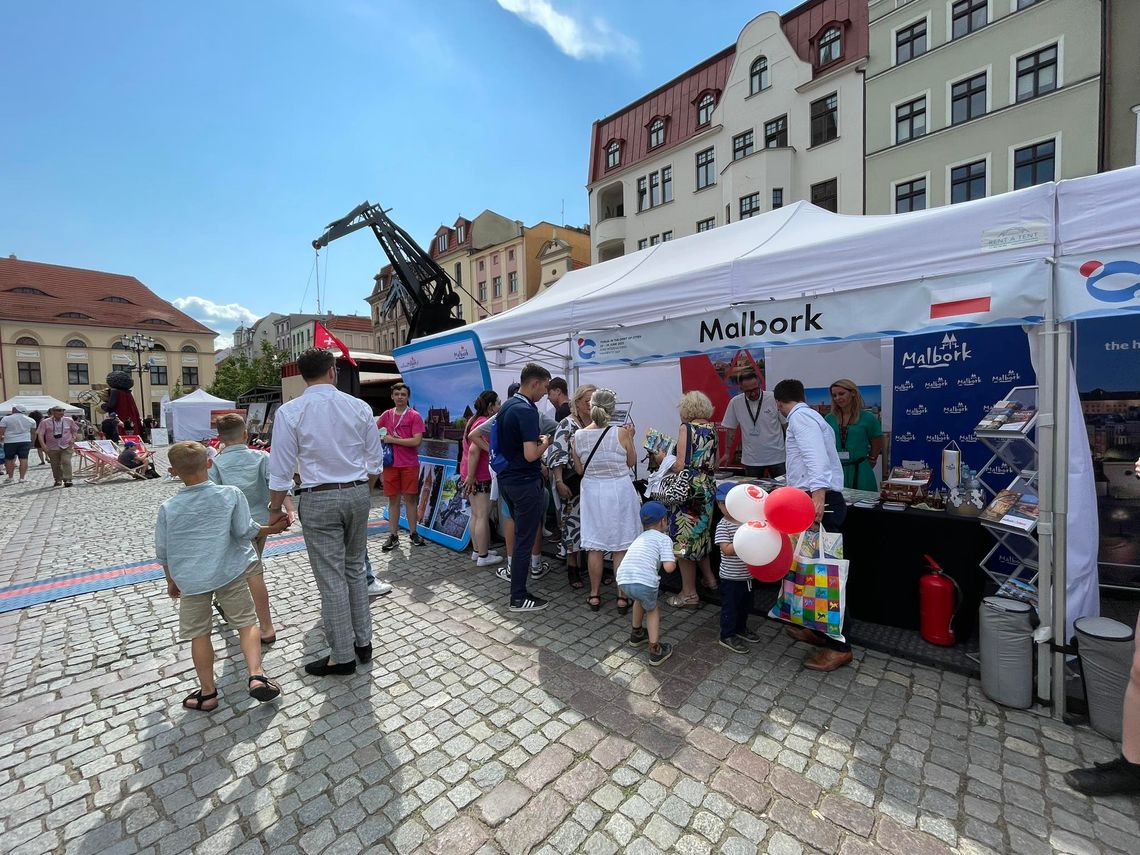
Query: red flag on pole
pixel 325 340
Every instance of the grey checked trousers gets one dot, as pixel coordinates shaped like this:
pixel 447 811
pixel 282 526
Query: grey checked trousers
pixel 335 524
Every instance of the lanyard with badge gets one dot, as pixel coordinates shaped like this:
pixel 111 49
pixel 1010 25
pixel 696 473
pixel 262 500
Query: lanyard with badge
pixel 754 417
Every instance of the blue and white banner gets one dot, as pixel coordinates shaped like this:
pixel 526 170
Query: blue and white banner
pixel 1105 283
pixel 945 383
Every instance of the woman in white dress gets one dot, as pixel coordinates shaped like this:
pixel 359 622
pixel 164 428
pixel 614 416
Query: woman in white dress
pixel 609 507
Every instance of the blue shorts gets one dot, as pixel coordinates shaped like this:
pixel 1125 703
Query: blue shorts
pixel 644 594
pixel 12 450
pixel 504 511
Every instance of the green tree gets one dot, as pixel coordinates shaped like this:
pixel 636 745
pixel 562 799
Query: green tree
pixel 238 374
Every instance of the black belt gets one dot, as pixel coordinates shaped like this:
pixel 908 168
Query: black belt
pixel 319 488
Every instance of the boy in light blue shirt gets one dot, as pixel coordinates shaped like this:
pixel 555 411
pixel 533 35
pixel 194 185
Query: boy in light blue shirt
pixel 203 541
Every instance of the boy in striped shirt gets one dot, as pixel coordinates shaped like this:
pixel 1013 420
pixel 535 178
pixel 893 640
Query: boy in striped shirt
pixel 735 583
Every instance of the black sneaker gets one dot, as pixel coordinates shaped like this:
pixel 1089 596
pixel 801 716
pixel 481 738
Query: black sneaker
pixel 1116 777
pixel 748 635
pixel 530 603
pixel 663 652
pixel 638 636
pixel 325 668
pixel 734 644
pixel 391 543
pixel 504 573
pixel 416 539
pixel 539 570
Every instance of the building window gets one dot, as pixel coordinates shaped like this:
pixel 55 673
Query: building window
pixel 742 145
pixel 657 133
pixel 826 195
pixel 482 291
pixel 497 287
pixel 758 75
pixel 495 260
pixel 76 342
pixel 24 289
pixel 830 46
pixel 824 119
pixel 458 273
pixel 967 16
pixel 705 109
pixel 459 311
pixel 666 236
pixel 28 372
pixel 480 264
pixel 968 99
pixel 510 255
pixel 776 133
pixel 654 189
pixel 189 348
pixel 189 375
pixel 77 374
pixel 1037 73
pixel 1024 4
pixel 460 233
pixel 910 196
pixel 158 375
pixel 643 243
pixel 968 182
pixel 28 341
pixel 513 282
pixel 706 168
pixel 114 300
pixel 1034 164
pixel 749 205
pixel 78 315
pixel 910 120
pixel 777 197
pixel 642 194
pixel 441 244
pixel 706 225
pixel 613 155
pixel 910 42
pixel 654 240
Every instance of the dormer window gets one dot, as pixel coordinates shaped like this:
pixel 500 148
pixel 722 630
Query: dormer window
pixel 114 299
pixel 461 233
pixel 705 107
pixel 758 75
pixel 26 290
pixel 157 322
pixel 830 46
pixel 441 243
pixel 656 133
pixel 78 315
pixel 613 154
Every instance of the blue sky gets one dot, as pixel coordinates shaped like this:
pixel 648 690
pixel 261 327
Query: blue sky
pixel 201 147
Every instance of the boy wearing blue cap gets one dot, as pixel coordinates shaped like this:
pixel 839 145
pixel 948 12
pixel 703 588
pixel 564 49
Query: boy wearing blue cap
pixel 637 576
pixel 735 582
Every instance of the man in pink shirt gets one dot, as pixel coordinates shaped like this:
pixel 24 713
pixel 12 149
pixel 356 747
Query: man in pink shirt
pixel 56 433
pixel 401 429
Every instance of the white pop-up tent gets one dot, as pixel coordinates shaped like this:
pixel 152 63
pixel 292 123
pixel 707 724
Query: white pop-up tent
pixel 190 415
pixel 982 263
pixel 40 403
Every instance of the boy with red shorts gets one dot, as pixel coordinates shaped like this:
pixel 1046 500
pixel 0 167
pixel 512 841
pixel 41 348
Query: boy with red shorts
pixel 402 430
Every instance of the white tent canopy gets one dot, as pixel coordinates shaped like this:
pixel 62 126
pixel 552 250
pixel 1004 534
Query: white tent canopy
pixel 190 415
pixel 40 403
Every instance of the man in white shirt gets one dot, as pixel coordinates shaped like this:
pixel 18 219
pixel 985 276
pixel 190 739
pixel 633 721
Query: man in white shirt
pixel 331 439
pixel 754 411
pixel 813 466
pixel 16 434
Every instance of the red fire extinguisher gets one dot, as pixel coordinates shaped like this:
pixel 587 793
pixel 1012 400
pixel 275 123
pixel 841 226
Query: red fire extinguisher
pixel 939 597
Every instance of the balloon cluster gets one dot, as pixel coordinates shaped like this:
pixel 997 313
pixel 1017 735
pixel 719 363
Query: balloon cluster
pixel 766 520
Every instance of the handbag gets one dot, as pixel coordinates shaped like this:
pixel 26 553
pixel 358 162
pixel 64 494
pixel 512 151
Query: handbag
pixel 814 593
pixel 675 488
pixel 389 449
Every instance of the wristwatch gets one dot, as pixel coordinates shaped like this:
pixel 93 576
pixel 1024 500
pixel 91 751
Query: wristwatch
pixel 273 509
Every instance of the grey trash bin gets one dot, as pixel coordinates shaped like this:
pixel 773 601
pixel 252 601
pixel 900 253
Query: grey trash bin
pixel 1006 630
pixel 1105 648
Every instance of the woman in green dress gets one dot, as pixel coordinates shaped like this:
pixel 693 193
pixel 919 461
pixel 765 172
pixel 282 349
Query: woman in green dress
pixel 858 436
pixel 691 524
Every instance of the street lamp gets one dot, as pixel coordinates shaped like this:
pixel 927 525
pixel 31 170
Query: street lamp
pixel 139 343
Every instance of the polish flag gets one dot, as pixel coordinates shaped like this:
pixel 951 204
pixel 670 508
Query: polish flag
pixel 325 340
pixel 957 302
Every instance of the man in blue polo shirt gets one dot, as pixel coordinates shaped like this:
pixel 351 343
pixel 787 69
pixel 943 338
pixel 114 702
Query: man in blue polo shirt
pixel 520 483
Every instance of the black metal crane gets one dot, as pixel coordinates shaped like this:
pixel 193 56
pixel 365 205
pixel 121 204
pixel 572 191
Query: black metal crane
pixel 420 285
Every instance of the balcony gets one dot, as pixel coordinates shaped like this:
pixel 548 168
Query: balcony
pixel 610 250
pixel 609 230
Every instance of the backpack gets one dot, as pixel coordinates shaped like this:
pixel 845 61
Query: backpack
pixel 498 461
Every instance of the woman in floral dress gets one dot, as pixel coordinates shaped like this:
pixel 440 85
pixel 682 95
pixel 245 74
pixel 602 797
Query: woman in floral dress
pixel 691 524
pixel 560 465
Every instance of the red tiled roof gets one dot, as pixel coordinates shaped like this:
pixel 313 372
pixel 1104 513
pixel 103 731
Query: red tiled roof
pixel 352 323
pixel 82 292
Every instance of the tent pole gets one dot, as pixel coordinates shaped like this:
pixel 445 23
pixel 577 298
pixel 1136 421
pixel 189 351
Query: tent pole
pixel 1046 459
pixel 1060 509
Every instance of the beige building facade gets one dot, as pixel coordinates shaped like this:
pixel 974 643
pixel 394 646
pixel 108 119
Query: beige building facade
pixel 970 98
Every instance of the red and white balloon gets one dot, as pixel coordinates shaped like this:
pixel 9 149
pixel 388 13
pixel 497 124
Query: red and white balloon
pixel 757 543
pixel 746 502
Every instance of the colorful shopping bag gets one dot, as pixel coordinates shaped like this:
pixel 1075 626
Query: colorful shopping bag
pixel 814 593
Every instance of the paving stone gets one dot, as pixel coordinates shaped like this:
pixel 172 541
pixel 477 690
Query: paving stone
pixel 805 825
pixel 533 823
pixel 898 840
pixel 545 766
pixel 462 836
pixel 661 832
pixel 503 802
pixel 783 844
pixel 852 816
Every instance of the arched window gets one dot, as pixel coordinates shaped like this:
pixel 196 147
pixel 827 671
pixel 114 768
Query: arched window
pixel 78 315
pixel 830 46
pixel 189 348
pixel 758 76
pixel 118 345
pixel 705 108
pixel 656 133
pixel 114 299
pixel 613 154
pixel 156 322
pixel 27 340
pixel 76 342
pixel 157 346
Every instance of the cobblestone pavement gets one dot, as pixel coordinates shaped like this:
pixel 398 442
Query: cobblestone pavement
pixel 476 730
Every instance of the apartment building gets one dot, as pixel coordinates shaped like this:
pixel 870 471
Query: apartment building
pixel 773 118
pixel 354 330
pixel 61 331
pixel 247 338
pixel 283 326
pixel 970 98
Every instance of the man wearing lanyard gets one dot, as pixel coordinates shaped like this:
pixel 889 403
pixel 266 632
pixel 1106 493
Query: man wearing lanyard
pixel 762 437
pixel 331 439
pixel 813 466
pixel 56 433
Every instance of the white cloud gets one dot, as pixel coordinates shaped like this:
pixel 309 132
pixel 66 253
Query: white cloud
pixel 221 317
pixel 577 38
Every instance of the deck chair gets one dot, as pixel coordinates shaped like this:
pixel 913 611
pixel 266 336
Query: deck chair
pixel 85 450
pixel 107 466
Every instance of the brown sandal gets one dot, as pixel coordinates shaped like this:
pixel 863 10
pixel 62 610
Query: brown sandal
pixel 679 602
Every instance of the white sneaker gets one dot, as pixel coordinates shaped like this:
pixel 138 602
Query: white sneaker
pixel 490 552
pixel 488 560
pixel 504 573
pixel 378 588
